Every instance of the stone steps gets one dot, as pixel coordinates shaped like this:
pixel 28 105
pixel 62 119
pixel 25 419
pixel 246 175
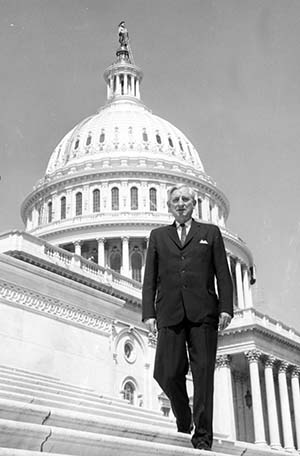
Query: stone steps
pixel 51 439
pixel 78 424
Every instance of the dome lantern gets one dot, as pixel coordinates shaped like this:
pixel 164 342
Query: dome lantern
pixel 123 77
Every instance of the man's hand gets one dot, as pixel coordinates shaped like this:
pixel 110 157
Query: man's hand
pixel 224 320
pixel 151 325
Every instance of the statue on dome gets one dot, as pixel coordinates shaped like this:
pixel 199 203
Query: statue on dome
pixel 123 34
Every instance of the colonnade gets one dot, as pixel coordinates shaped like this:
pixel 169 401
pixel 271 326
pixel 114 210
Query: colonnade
pixel 242 281
pixel 104 245
pixel 274 399
pixel 123 84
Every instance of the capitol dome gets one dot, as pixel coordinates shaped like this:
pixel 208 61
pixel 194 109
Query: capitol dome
pixel 123 125
pixel 106 182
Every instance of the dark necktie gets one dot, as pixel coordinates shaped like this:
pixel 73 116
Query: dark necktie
pixel 183 233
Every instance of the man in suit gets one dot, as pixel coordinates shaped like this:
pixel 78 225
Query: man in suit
pixel 181 303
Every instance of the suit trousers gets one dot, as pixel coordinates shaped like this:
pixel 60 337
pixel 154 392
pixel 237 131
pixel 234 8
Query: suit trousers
pixel 177 347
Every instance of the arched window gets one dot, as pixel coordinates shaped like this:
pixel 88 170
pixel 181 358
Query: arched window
pixel 50 212
pixel 200 208
pixel 134 202
pixel 115 259
pixel 63 208
pixel 158 139
pixel 76 144
pixel 136 265
pixel 88 140
pixel 96 200
pixel 145 136
pixel 78 203
pixel 115 199
pixel 102 137
pixel 180 145
pixel 129 390
pixel 170 141
pixel 153 199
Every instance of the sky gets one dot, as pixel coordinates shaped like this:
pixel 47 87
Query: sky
pixel 225 72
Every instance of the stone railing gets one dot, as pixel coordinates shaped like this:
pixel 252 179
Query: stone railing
pixel 251 316
pixel 24 245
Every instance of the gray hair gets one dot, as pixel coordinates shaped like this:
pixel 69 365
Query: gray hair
pixel 178 187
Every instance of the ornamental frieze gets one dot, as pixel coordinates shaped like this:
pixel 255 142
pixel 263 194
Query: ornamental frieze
pixel 53 307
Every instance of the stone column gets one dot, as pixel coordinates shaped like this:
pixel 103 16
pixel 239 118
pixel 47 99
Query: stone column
pixel 223 398
pixel 258 418
pixel 229 263
pixel 205 208
pixel 125 84
pixel 77 245
pixel 125 256
pixel 101 252
pixel 118 85
pixel 296 402
pixel 239 285
pixel 271 404
pixel 108 88
pixel 285 408
pixel 138 89
pixel 214 214
pixel 247 291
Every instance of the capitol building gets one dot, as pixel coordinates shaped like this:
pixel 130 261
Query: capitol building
pixel 70 293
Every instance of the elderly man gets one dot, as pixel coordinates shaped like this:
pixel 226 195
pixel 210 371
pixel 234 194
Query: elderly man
pixel 180 301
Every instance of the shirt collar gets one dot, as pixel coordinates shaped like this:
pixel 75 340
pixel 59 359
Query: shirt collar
pixel 187 223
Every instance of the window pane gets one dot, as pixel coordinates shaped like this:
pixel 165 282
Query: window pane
pixel 78 208
pixel 153 199
pixel 96 200
pixel 115 199
pixel 63 207
pixel 50 212
pixel 134 198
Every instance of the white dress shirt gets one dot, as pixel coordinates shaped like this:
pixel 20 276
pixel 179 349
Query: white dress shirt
pixel 187 225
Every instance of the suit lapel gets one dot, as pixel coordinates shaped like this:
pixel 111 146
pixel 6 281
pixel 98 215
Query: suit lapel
pixel 192 232
pixel 172 231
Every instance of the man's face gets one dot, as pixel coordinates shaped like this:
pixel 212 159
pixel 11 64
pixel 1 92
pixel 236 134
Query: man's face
pixel 181 204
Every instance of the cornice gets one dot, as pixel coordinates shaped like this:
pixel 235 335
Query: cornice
pixel 257 330
pixel 108 289
pixel 55 308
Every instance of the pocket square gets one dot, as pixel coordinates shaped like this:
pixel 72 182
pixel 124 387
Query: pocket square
pixel 203 241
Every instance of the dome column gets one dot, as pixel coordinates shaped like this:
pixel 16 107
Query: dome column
pixel 247 290
pixel 205 209
pixel 101 251
pixel 285 408
pixel 259 428
pixel 239 284
pixel 214 214
pixel 271 404
pixel 78 245
pixel 125 256
pixel 296 401
pixel 137 88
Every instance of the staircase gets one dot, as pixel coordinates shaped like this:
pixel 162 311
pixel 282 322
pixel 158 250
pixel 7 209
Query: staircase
pixel 39 413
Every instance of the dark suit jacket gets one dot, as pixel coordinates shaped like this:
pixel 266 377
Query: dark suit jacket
pixel 180 281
